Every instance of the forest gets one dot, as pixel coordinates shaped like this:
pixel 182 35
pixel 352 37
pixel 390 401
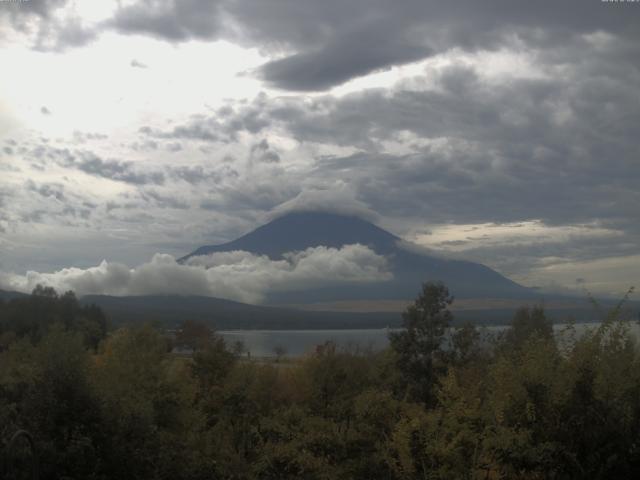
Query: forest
pixel 79 400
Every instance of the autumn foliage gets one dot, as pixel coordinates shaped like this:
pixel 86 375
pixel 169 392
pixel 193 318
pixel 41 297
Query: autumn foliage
pixel 440 403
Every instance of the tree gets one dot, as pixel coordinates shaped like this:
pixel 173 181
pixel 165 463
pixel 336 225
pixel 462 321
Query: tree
pixel 465 345
pixel 526 323
pixel 147 399
pixel 212 363
pixel 418 346
pixel 194 335
pixel 45 389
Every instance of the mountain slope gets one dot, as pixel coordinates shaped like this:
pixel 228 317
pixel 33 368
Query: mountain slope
pixel 298 231
pixel 10 295
pixel 302 230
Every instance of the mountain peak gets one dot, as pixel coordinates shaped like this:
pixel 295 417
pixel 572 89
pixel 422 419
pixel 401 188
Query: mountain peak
pixel 300 230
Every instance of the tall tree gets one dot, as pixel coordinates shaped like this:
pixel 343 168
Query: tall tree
pixel 418 345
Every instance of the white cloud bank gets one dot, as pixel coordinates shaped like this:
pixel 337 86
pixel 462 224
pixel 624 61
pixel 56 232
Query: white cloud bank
pixel 236 275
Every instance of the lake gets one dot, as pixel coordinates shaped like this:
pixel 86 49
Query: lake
pixel 263 343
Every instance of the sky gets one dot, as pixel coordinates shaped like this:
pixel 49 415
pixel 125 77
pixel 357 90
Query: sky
pixel 502 132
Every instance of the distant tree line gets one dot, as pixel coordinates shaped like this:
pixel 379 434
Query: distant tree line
pixel 436 404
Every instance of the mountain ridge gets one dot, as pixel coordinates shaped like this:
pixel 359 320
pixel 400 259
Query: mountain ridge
pixel 300 230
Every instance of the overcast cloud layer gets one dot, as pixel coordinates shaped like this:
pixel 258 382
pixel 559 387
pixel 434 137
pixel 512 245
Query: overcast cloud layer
pixel 499 131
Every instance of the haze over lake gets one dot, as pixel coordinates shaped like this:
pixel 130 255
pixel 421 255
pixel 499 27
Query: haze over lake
pixel 295 343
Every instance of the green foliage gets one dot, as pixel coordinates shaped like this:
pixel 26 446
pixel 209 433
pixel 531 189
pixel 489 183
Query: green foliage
pixel 535 405
pixel 465 344
pixel 212 362
pixel 418 345
pixel 146 398
pixel 194 335
pixel 45 389
pixel 33 316
pixel 528 322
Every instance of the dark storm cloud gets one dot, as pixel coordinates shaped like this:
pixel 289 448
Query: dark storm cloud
pixel 336 41
pixel 172 20
pixel 351 55
pixel 322 44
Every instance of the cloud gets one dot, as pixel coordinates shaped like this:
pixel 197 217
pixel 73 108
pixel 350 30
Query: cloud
pixel 336 41
pixel 165 201
pixel 318 45
pixel 172 20
pixel 343 57
pixel 84 137
pixel 173 147
pixel 19 14
pixel 511 112
pixel 196 174
pixel 117 170
pixel 43 154
pixel 470 147
pixel 196 129
pixel 47 190
pixel 138 64
pixel 336 198
pixel 48 25
pixel 519 249
pixel 235 275
pixel 263 152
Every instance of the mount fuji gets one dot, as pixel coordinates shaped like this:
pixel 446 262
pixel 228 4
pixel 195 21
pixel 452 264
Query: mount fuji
pixel 410 267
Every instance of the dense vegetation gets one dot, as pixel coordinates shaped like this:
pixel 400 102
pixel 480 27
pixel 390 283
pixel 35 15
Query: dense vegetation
pixel 120 405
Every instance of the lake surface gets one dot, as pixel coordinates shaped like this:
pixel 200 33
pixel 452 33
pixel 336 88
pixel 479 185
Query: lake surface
pixel 263 343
